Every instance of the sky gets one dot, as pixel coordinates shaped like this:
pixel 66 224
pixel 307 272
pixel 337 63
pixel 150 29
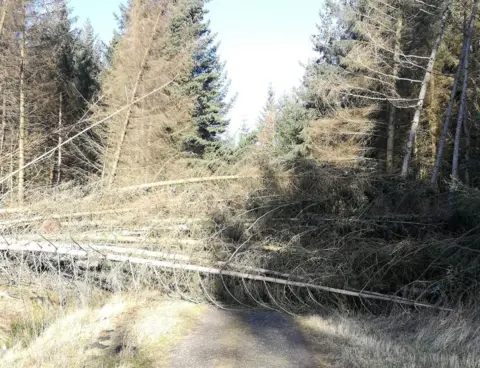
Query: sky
pixel 261 41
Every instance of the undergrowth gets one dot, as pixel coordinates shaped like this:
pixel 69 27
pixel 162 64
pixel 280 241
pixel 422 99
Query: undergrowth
pixel 345 227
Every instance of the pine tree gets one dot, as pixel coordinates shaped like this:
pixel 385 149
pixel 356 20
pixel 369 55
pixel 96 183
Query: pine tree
pixel 268 121
pixel 88 64
pixel 208 84
pixel 149 130
pixel 122 19
pixel 292 120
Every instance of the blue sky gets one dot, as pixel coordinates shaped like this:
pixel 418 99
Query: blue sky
pixel 262 42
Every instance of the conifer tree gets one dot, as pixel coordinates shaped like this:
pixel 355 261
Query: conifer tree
pixel 292 120
pixel 88 63
pixel 268 121
pixel 149 131
pixel 208 84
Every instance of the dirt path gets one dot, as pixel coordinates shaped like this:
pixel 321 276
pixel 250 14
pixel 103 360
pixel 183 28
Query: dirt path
pixel 228 339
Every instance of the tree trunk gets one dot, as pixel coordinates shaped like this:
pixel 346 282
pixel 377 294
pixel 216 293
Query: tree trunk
pixel 463 100
pixel 21 125
pixel 123 133
pixel 2 137
pixel 3 16
pixel 10 173
pixel 466 131
pixel 448 115
pixel 391 117
pixel 59 152
pixel 423 91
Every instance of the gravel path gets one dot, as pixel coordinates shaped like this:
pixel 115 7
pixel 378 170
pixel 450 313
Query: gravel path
pixel 228 339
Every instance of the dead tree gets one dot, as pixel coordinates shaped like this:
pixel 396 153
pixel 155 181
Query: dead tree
pixel 126 121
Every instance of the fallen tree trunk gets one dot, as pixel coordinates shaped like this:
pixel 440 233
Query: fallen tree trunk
pixel 102 222
pixel 181 182
pixel 172 265
pixel 49 247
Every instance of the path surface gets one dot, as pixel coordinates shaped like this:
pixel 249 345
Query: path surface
pixel 230 339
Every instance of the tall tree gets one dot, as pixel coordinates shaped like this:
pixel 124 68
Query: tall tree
pixel 208 84
pixel 268 121
pixel 462 110
pixel 423 90
pixel 88 63
pixel 149 131
pixel 21 119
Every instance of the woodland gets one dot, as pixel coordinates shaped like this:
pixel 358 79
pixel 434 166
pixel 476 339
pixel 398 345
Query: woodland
pixel 356 192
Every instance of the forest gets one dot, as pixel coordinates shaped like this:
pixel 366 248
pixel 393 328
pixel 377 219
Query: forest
pixel 356 194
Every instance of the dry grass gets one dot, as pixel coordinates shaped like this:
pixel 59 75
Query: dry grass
pixel 141 330
pixel 405 340
pixel 124 331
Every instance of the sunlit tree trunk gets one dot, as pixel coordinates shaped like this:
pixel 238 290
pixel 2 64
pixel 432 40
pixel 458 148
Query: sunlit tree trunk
pixel 60 140
pixel 2 137
pixel 22 123
pixel 448 114
pixel 423 91
pixel 3 15
pixel 12 165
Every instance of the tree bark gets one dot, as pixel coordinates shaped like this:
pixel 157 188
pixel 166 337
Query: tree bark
pixel 10 173
pixel 423 91
pixel 391 117
pixel 463 100
pixel 2 138
pixel 466 131
pixel 3 16
pixel 22 125
pixel 59 152
pixel 123 133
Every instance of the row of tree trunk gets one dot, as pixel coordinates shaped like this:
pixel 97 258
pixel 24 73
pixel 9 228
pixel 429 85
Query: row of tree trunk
pixel 462 74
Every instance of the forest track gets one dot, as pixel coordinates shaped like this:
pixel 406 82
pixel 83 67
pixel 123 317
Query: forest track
pixel 231 339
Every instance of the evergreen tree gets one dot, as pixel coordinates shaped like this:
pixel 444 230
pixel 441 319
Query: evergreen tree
pixel 88 64
pixel 150 131
pixel 207 83
pixel 122 19
pixel 292 119
pixel 269 107
pixel 268 121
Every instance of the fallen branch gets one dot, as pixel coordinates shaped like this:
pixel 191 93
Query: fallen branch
pixel 109 237
pixel 181 182
pixel 103 221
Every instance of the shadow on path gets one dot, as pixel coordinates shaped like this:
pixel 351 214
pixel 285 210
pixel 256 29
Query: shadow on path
pixel 243 339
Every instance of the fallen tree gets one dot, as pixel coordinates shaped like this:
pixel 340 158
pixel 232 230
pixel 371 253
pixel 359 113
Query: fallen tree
pixel 99 253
